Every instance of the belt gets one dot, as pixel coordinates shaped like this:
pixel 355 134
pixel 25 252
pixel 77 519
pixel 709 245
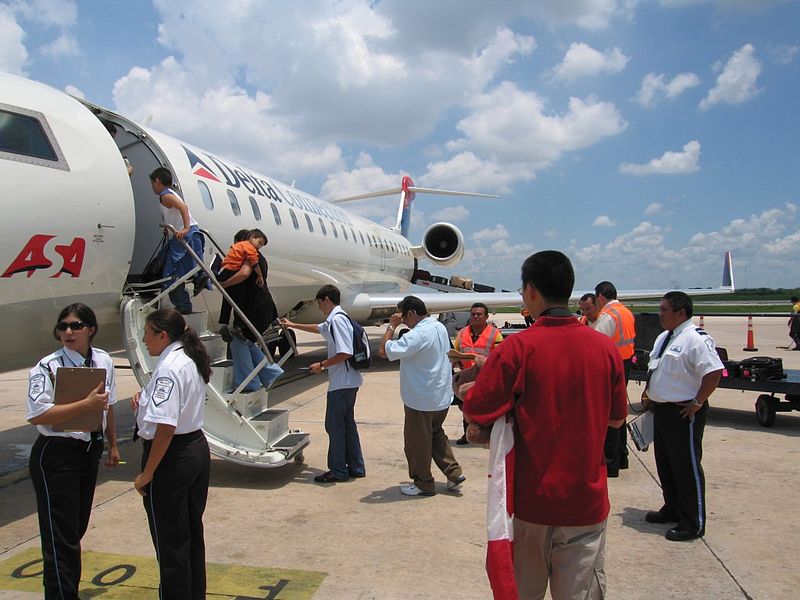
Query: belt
pixel 97 436
pixel 179 438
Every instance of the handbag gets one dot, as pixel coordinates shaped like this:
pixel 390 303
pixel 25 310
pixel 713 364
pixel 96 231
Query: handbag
pixel 155 266
pixel 642 430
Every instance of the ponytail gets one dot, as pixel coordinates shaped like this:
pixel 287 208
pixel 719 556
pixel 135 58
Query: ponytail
pixel 172 322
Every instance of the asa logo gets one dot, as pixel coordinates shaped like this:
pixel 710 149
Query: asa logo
pixel 32 257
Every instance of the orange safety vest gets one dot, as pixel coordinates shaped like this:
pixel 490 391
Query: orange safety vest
pixel 624 328
pixel 483 345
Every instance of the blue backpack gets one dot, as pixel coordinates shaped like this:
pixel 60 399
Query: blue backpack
pixel 362 355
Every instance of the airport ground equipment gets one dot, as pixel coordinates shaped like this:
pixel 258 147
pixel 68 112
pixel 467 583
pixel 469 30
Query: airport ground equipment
pixel 240 427
pixel 768 403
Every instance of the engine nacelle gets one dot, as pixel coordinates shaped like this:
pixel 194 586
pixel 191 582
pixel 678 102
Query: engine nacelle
pixel 442 243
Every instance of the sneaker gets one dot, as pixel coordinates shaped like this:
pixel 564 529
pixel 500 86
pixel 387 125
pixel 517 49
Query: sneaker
pixel 225 334
pixel 454 485
pixel 201 282
pixel 462 441
pixel 412 490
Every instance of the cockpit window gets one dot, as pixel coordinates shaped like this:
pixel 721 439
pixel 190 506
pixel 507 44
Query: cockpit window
pixel 26 137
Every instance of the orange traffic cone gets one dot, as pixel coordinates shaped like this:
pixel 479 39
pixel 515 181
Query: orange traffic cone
pixel 701 324
pixel 750 343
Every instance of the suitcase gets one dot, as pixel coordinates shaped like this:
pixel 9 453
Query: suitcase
pixel 640 359
pixel 479 287
pixel 760 368
pixel 733 368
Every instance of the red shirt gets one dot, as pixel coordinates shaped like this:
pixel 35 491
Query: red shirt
pixel 564 381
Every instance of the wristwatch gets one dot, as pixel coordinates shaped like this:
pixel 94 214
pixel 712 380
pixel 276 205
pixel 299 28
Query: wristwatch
pixel 322 367
pixel 696 402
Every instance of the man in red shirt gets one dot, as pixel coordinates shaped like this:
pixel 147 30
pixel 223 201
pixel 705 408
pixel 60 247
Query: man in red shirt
pixel 564 383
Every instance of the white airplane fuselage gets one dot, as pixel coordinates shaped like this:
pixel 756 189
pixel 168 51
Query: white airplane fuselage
pixel 76 227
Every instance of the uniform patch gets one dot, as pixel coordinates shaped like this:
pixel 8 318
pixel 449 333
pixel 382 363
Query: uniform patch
pixel 36 386
pixel 710 343
pixel 676 348
pixel 162 390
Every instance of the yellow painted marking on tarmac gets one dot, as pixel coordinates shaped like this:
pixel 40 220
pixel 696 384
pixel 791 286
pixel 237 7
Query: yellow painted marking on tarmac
pixel 120 577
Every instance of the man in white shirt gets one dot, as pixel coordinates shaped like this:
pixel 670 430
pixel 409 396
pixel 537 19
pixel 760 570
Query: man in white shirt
pixel 345 459
pixel 426 390
pixel 684 370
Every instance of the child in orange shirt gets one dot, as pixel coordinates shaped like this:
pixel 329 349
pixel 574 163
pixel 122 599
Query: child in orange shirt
pixel 242 253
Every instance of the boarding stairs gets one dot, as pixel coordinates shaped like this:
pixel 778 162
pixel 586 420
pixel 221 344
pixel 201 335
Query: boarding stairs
pixel 240 427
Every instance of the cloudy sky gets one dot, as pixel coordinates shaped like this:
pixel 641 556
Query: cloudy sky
pixel 641 137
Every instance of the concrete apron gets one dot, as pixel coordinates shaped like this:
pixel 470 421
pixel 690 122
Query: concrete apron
pixel 372 542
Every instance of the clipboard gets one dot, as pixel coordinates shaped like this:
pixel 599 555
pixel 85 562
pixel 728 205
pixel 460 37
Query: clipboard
pixel 454 354
pixel 642 430
pixel 73 384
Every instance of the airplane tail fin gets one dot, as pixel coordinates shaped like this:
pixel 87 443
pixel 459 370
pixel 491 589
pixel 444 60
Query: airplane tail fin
pixel 727 272
pixel 404 209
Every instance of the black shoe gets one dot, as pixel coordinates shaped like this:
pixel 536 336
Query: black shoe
pixel 623 464
pixel 328 477
pixel 613 472
pixel 225 334
pixel 656 516
pixel 200 283
pixel 357 475
pixel 462 441
pixel 682 535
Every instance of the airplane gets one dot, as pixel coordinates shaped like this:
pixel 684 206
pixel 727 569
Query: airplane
pixel 82 228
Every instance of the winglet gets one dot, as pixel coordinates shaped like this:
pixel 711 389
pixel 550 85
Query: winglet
pixel 727 272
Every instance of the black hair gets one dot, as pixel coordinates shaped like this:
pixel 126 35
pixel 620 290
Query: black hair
pixel 550 272
pixel 163 175
pixel 588 296
pixel 83 312
pixel 257 233
pixel 410 303
pixel 680 301
pixel 607 289
pixel 172 322
pixel 241 235
pixel 481 305
pixel 331 292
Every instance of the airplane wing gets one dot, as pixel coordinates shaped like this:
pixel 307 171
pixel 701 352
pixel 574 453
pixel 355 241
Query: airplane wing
pixel 382 305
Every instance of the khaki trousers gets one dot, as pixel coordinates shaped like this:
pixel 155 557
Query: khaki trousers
pixel 572 559
pixel 425 440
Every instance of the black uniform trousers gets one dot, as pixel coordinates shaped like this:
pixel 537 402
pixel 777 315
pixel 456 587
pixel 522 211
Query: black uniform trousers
pixel 174 502
pixel 64 473
pixel 678 445
pixel 616 445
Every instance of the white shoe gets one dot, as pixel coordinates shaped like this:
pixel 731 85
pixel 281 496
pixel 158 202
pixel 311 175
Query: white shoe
pixel 454 485
pixel 412 490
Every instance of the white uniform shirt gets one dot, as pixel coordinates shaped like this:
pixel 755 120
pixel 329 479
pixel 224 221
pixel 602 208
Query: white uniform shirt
pixel 677 373
pixel 340 376
pixel 425 372
pixel 175 395
pixel 172 216
pixel 42 377
pixel 605 323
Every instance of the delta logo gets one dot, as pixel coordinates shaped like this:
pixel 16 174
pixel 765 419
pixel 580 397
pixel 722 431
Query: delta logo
pixel 199 167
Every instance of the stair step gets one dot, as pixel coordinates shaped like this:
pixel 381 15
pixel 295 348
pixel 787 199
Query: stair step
pixel 273 424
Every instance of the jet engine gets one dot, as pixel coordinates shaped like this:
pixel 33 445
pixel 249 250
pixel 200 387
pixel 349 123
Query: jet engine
pixel 442 243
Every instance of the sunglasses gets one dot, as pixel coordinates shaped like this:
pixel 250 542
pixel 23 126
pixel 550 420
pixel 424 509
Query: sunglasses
pixel 74 325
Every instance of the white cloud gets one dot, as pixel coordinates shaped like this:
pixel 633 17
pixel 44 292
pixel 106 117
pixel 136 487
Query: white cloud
pixel 451 214
pixel 50 13
pixel 73 91
pixel 63 45
pixel 669 163
pixel 603 221
pixel 728 5
pixel 13 54
pixel 551 234
pixel 582 60
pixel 653 208
pixel 510 127
pixel 785 54
pixel 492 234
pixel 654 86
pixel 737 81
pixel 469 173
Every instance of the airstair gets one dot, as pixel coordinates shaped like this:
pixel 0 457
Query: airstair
pixel 240 427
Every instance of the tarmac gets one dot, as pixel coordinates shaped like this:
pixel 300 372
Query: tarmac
pixel 274 533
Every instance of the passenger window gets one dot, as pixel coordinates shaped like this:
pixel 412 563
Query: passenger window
pixel 352 231
pixel 254 206
pixel 344 232
pixel 308 222
pixel 234 203
pixel 363 243
pixel 275 213
pixel 205 194
pixel 333 229
pixel 24 135
pixel 322 228
pixel 295 223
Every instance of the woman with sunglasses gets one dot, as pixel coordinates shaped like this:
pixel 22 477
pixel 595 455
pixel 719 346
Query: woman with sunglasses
pixel 63 464
pixel 175 461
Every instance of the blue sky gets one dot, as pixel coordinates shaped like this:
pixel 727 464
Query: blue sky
pixel 642 138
